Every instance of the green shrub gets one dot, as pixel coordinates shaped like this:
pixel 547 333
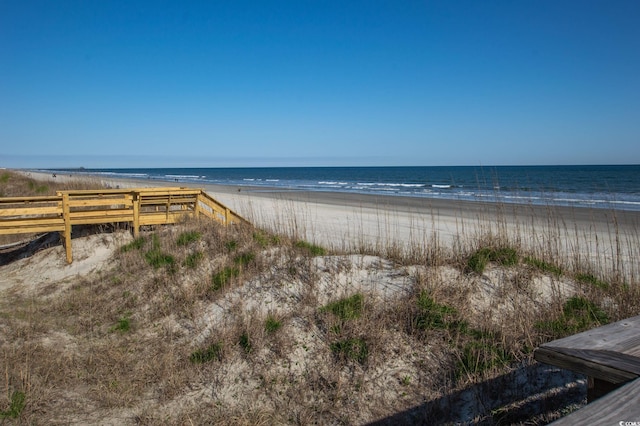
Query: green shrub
pixel 213 352
pixel 313 249
pixel 271 325
pixel 193 259
pixel 18 400
pixel 352 349
pixel 136 244
pixel 188 237
pixel 346 309
pixel 5 177
pixel 221 278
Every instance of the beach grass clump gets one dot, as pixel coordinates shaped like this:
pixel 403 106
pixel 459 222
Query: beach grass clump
pixel 354 349
pixel 244 259
pixel 16 405
pixel 231 245
pixel 156 257
pixel 346 309
pixel 4 178
pixel 543 266
pixel 222 277
pixel 433 315
pixel 265 239
pixel 123 325
pixel 479 356
pixel 591 279
pixel 312 249
pixel 505 256
pixel 193 259
pixel 578 314
pixel 245 343
pixel 210 353
pixel 261 238
pixel 37 187
pixel 136 244
pixel 188 237
pixel 272 324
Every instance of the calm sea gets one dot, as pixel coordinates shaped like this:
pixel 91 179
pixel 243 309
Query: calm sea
pixel 616 187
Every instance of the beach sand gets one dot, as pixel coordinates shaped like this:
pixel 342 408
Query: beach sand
pixel 609 240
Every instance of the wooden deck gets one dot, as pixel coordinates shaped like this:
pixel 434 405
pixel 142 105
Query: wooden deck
pixel 137 206
pixel 619 407
pixel 610 357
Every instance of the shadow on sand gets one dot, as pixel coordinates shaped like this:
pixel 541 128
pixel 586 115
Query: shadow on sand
pixel 532 394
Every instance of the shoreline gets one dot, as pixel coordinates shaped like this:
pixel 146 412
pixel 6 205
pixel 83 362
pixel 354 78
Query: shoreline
pixel 355 199
pixel 347 221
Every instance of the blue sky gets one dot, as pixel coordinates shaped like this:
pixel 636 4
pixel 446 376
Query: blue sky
pixel 273 83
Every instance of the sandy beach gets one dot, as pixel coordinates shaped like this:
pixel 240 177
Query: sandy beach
pixel 608 239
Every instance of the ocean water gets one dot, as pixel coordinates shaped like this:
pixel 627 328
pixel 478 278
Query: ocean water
pixel 611 187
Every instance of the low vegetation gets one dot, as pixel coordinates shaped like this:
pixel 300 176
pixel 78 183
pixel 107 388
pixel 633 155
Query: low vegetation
pixel 204 324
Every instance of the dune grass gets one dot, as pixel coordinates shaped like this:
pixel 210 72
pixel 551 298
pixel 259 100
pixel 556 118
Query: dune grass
pixel 174 332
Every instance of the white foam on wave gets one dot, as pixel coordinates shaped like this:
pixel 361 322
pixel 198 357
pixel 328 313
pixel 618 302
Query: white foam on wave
pixel 183 176
pixel 400 185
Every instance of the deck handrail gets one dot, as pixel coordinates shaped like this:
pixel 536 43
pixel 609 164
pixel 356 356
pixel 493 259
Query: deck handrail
pixel 137 206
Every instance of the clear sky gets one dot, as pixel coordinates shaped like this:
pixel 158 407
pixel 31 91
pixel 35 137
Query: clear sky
pixel 272 83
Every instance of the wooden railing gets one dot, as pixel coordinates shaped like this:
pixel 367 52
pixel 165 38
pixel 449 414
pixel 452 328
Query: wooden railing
pixel 137 206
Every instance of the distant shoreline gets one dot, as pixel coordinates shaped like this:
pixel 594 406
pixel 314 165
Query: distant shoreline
pixel 397 202
pixel 603 187
pixel 347 221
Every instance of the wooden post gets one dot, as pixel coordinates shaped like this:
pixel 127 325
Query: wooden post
pixel 66 215
pixel 227 216
pixel 196 207
pixel 136 214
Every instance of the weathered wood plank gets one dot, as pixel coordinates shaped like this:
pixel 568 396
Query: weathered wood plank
pixel 34 229
pixel 30 221
pixel 619 406
pixel 101 202
pixel 27 200
pixel 618 336
pixel 608 353
pixel 29 211
pixel 609 366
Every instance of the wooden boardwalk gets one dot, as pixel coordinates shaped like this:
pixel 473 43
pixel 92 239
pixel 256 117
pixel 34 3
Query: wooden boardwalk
pixel 610 357
pixel 136 206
